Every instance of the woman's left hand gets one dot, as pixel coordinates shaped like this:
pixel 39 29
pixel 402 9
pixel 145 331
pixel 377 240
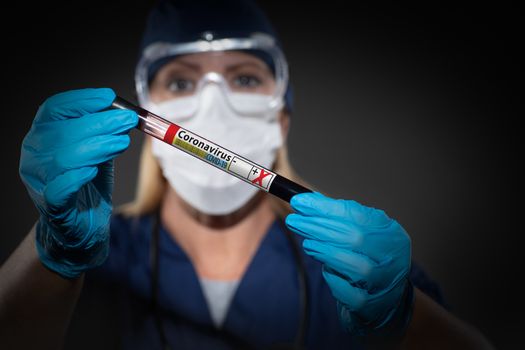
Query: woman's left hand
pixel 366 259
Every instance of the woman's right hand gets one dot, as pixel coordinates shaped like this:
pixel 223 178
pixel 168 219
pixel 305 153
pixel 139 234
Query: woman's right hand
pixel 66 165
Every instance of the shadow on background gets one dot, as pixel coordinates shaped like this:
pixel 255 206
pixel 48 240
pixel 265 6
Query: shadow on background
pixel 409 109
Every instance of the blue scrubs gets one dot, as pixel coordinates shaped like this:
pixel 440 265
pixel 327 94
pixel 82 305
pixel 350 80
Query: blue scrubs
pixel 265 308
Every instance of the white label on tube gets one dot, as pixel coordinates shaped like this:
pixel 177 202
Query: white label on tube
pixel 219 157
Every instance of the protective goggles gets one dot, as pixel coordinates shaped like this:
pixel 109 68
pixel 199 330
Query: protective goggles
pixel 241 67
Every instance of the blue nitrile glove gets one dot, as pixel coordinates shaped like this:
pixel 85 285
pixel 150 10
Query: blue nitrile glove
pixel 66 165
pixel 366 260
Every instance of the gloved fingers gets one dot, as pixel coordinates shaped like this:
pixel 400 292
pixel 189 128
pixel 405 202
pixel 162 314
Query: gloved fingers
pixel 31 170
pixel 91 152
pixel 110 122
pixel 88 222
pixel 358 268
pixel 376 243
pixel 361 270
pixel 390 241
pixel 55 134
pixel 105 179
pixel 316 204
pixel 74 103
pixel 60 193
pixel 354 298
pixel 358 300
pixel 371 309
pixel 325 229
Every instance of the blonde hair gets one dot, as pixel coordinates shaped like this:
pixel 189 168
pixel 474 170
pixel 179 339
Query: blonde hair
pixel 151 184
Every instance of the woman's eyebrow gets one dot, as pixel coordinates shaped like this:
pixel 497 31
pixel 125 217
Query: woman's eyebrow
pixel 190 65
pixel 244 64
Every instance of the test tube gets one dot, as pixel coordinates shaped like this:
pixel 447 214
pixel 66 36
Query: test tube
pixel 195 145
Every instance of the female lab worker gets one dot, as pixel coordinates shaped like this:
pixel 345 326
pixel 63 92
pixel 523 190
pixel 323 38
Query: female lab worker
pixel 205 261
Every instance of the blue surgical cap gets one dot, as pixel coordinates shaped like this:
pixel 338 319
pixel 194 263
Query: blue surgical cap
pixel 178 21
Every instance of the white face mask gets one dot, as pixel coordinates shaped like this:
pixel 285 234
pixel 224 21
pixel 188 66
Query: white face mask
pixel 254 136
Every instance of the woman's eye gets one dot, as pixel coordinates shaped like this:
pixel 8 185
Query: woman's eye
pixel 247 81
pixel 180 85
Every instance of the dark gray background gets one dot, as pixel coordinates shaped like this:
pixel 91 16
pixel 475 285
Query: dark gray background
pixel 405 108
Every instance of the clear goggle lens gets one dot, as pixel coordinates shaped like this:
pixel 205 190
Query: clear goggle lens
pixel 242 68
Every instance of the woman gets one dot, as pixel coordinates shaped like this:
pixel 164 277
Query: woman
pixel 205 260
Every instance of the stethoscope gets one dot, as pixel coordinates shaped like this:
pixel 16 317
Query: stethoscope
pixel 232 339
